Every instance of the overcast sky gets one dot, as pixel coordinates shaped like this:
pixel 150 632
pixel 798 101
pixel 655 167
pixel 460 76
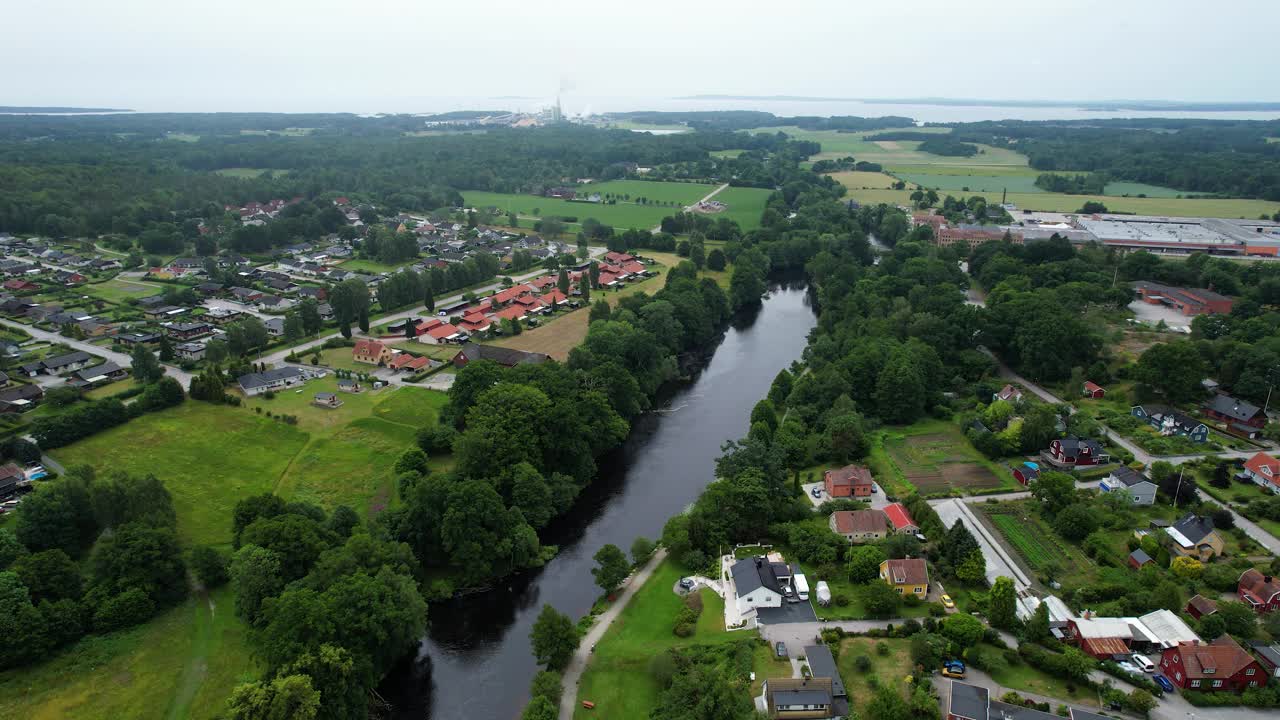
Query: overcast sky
pixel 402 55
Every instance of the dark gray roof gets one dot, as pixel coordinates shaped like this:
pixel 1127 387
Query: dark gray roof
pixel 1017 712
pixel 968 701
pixel 68 359
pixel 1078 714
pixel 1194 527
pixel 753 573
pixel 1269 653
pixel 502 355
pixel 1129 477
pixel 106 368
pixel 21 392
pixel 801 697
pixel 1233 407
pixel 253 380
pixel 1140 556
pixel 822 664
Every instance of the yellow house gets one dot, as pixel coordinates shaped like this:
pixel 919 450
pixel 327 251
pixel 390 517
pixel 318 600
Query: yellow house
pixel 1194 536
pixel 908 577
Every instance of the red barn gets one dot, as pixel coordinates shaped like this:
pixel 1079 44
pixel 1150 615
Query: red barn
pixel 1093 390
pixel 1213 667
pixel 1200 606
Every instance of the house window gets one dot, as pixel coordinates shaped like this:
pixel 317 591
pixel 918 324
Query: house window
pixel 1253 683
pixel 1195 683
pixel 1217 683
pixel 1249 671
pixel 919 590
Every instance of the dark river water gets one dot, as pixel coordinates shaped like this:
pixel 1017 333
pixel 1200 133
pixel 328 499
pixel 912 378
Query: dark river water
pixel 475 661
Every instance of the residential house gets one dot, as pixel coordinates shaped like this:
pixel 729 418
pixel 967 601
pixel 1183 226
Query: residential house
pixel 1093 390
pixel 193 351
pixel 1142 490
pixel 909 576
pixel 318 294
pixel 1008 393
pixel 99 374
pixel 274 326
pixel 325 310
pixel 859 526
pixel 1258 591
pixel 246 296
pixel 436 332
pixel 371 352
pixel 326 400
pixel 69 362
pixel 274 303
pixel 1072 452
pixel 799 697
pixel 1194 536
pixel 1168 421
pixel 20 398
pixel 349 385
pixel 10 477
pixel 1263 470
pixel 900 518
pixel 276 379
pixel 1212 667
pixel 223 315
pixel 1026 473
pixel 503 356
pixel 848 481
pixel 1200 606
pixel 188 331
pixel 209 289
pixel 20 285
pixel 1269 656
pixel 755 585
pixel 822 664
pixel 161 313
pixel 1239 415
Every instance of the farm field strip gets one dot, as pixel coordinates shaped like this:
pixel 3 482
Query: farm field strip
pixel 1057 202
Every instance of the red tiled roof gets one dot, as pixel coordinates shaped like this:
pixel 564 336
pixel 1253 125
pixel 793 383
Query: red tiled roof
pixel 511 313
pixel 633 267
pixel 618 257
pixel 1262 587
pixel 418 363
pixel 511 293
pixel 1091 386
pixel 909 571
pixel 553 296
pixel 849 475
pixel 399 360
pixel 368 348
pixel 1203 605
pixel 859 521
pixel 442 331
pixel 1221 658
pixel 899 516
pixel 1265 467
pixel 1103 646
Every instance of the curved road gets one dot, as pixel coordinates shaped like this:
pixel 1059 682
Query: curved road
pixel 118 358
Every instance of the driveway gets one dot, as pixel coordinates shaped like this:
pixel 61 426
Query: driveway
pixel 788 613
pixel 798 634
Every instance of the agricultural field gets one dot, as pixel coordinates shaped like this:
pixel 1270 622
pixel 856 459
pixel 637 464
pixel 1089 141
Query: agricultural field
pixel 1039 547
pixel 1057 202
pixel 933 456
pixel 745 205
pixel 857 179
pixel 987 179
pixel 211 456
pixel 617 678
pixel 656 128
pixel 247 172
pixel 182 664
pixel 677 192
pixel 532 207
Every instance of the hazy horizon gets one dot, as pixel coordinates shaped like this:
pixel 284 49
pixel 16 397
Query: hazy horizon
pixel 398 56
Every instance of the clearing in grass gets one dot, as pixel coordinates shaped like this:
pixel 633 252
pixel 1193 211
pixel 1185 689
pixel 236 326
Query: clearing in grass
pixel 182 664
pixel 118 290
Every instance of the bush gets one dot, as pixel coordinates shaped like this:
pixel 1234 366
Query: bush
pixel 862 663
pixel 840 600
pixel 127 609
pixel 210 566
pixel 882 649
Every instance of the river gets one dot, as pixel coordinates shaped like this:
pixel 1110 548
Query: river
pixel 475 661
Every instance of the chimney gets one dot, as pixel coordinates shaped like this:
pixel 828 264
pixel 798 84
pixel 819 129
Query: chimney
pixel 1266 578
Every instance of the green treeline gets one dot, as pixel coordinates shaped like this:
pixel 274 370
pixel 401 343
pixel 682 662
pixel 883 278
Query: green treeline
pixel 1078 184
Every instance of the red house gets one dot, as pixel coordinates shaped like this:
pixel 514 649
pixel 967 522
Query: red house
pixel 848 481
pixel 1213 667
pixel 19 284
pixel 900 518
pixel 1027 473
pixel 1240 415
pixel 1093 390
pixel 1071 451
pixel 1200 606
pixel 1261 592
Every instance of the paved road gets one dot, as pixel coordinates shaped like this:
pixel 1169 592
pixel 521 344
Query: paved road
pixel 573 673
pixel 797 635
pixel 120 359
pixel 708 196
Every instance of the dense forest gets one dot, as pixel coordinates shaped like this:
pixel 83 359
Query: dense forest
pixel 751 119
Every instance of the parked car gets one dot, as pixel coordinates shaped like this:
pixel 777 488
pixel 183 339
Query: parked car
pixel 780 648
pixel 953 669
pixel 874 489
pixel 1129 667
pixel 686 583
pixel 817 492
pixel 947 602
pixel 1143 662
pixel 921 537
pixel 1164 683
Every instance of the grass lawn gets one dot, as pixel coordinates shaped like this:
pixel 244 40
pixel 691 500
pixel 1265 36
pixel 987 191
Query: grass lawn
pixel 856 609
pixel 248 172
pixel 115 388
pixel 183 664
pixel 1024 678
pixel 1057 202
pixel 352 466
pixel 209 456
pixel 861 179
pixel 933 456
pixel 766 664
pixel 617 679
pixel 727 154
pixel 891 668
pixel 529 207
pixel 678 192
pixel 412 406
pixel 372 267
pixel 745 205
pixel 341 358
pixel 118 290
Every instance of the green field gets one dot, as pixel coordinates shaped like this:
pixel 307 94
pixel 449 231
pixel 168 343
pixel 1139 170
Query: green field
pixel 726 153
pixel 372 267
pixel 892 669
pixel 1057 202
pixel 861 179
pixel 182 664
pixel 678 192
pixel 617 679
pixel 247 172
pixel 745 204
pixel 933 457
pixel 211 456
pixel 979 179
pixel 662 128
pixel 118 290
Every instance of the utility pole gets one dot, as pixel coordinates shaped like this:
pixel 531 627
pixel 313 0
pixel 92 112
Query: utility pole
pixel 1178 492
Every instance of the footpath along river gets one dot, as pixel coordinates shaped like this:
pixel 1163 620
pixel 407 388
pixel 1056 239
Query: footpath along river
pixel 475 661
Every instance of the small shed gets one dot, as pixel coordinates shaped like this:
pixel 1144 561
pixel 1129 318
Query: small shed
pixel 1139 558
pixel 1200 606
pixel 326 400
pixel 1093 390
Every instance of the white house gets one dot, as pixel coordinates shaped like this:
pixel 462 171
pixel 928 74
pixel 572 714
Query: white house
pixel 756 585
pixel 1140 488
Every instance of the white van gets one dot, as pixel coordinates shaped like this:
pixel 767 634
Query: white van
pixel 1143 662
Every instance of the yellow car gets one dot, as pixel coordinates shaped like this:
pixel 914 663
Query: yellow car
pixel 947 602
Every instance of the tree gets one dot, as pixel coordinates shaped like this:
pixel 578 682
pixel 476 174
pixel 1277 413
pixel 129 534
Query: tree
pixel 1173 368
pixel 1187 568
pixel 146 369
pixel 562 281
pixel 973 569
pixel 547 684
pixel 554 638
pixel 900 390
pixel 716 260
pixel 1037 626
pixel 1238 619
pixel 290 697
pixel 611 567
pixel 888 704
pixel 139 556
pixel 49 575
pixel 641 548
pixel 10 548
pixel 540 708
pixel 166 349
pixel 964 629
pixel 413 460
pixel 1075 522
pixel 1002 604
pixel 256 575
pixel 21 623
pixel 846 436
pixel 1140 701
pixel 211 566
pixel 864 563
pixel 1055 490
pixel 880 600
